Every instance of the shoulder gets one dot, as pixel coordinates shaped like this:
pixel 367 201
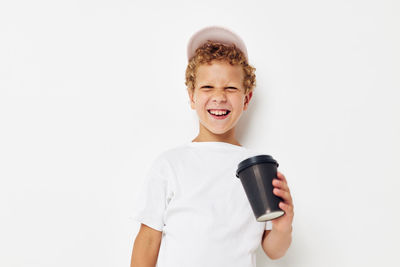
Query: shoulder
pixel 167 157
pixel 172 152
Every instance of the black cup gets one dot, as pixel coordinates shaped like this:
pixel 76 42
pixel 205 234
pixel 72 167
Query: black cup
pixel 256 174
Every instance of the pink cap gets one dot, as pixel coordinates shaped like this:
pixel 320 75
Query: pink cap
pixel 216 34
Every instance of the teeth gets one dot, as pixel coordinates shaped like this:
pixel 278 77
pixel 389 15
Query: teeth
pixel 218 112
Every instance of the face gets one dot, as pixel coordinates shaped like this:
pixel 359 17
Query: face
pixel 219 89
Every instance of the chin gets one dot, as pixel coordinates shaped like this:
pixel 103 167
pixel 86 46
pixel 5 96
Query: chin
pixel 212 128
pixel 219 131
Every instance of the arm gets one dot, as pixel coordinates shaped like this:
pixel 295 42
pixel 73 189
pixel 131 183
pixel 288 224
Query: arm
pixel 146 247
pixel 276 242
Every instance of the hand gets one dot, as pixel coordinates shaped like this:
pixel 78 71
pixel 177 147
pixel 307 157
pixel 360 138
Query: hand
pixel 281 189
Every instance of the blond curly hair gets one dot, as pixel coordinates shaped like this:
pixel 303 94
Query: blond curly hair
pixel 216 51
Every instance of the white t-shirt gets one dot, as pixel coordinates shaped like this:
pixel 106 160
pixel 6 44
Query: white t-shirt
pixel 192 195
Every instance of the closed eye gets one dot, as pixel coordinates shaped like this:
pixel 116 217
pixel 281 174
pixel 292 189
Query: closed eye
pixel 232 88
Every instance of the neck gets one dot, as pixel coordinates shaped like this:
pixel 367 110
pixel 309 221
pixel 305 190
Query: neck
pixel 206 136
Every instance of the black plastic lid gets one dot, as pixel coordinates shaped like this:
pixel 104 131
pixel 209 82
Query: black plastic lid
pixel 254 160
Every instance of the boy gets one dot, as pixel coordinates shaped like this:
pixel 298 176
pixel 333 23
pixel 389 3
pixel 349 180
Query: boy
pixel 196 212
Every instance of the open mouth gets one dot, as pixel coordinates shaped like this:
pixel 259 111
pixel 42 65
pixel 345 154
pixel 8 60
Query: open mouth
pixel 219 114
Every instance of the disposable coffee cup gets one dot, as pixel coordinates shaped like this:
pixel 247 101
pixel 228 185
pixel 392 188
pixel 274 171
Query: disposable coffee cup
pixel 256 174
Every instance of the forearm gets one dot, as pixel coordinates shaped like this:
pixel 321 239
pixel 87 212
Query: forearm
pixel 144 253
pixel 276 243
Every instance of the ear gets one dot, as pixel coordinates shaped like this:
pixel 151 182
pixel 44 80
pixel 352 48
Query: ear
pixel 191 98
pixel 247 100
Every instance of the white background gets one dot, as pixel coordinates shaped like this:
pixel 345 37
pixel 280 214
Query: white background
pixel 92 91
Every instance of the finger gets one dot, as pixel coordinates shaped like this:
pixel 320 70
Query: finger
pixel 280 184
pixel 285 195
pixel 281 176
pixel 286 207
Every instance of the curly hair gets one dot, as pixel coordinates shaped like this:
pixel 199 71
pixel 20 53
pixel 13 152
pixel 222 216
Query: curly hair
pixel 216 51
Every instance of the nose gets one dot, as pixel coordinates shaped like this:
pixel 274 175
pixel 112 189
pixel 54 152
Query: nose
pixel 219 96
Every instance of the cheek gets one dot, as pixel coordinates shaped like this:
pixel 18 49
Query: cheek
pixel 238 102
pixel 201 100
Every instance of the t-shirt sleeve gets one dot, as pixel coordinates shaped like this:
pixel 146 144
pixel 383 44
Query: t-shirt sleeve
pixel 268 225
pixel 152 200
